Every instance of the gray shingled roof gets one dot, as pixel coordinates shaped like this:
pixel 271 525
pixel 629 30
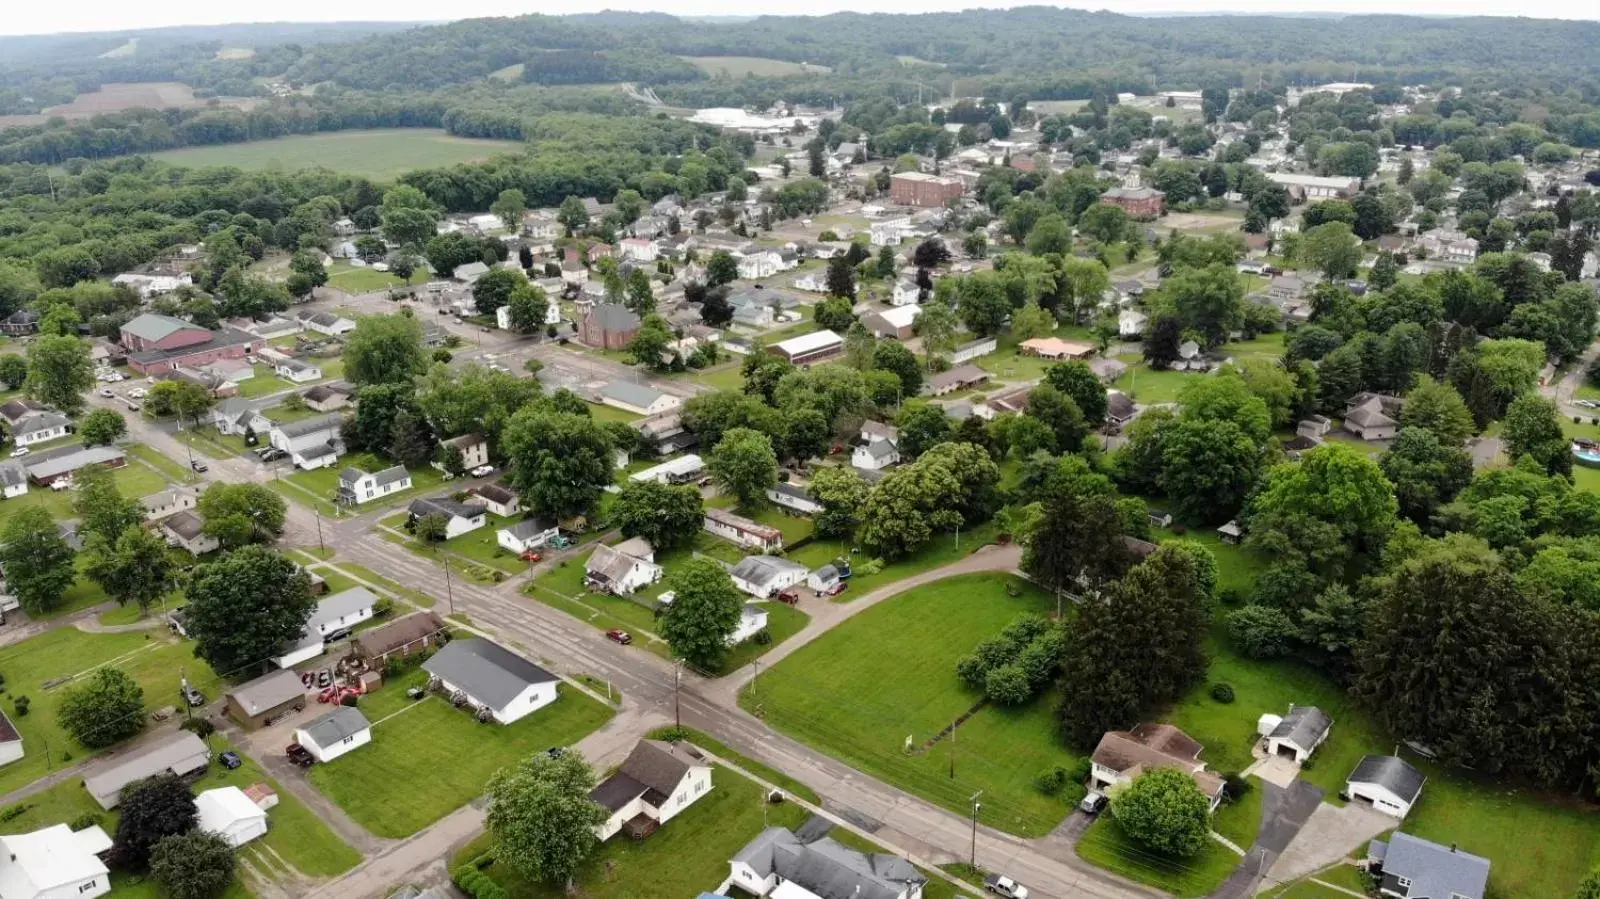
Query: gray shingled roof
pixel 344 721
pixel 1304 726
pixel 1435 871
pixel 268 691
pixel 827 868
pixel 1392 773
pixel 761 570
pixel 528 527
pixel 70 458
pixel 486 671
pixel 339 605
pixel 614 317
pixel 445 506
pixel 639 396
pixel 654 767
pixel 311 425
pixel 40 421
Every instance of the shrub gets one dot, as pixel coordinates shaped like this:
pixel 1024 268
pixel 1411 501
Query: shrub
pixel 1007 685
pixel 1231 596
pixel 11 813
pixel 763 637
pixel 1261 632
pixel 1236 787
pixel 200 727
pixel 87 819
pixel 20 704
pixel 383 608
pixel 1051 782
pixel 1080 771
pixel 1222 692
pixel 477 884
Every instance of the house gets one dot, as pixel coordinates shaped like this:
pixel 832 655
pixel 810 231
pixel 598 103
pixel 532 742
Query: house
pixel 237 415
pixel 10 741
pixel 809 348
pixel 224 373
pixel 60 463
pixel 974 349
pixel 357 486
pixel 1451 247
pixel 1138 202
pixel 875 455
pixel 794 498
pixel 527 534
pixel 150 285
pixel 460 518
pixel 764 576
pixel 1231 532
pixel 1312 187
pixel 311 442
pixel 1122 756
pixel 758 265
pixel 754 316
pixel 340 731
pixel 1387 783
pixel 961 377
pixel 260 702
pixel 40 427
pixel 895 323
pixel 55 863
pixel 501 501
pixel 179 753
pixel 889 232
pixel 1285 288
pixel 665 434
pixel 332 619
pixel 742 531
pixel 13 479
pixel 905 293
pixel 187 529
pixel 655 782
pixel 824 579
pixel 1056 349
pixel 623 568
pixel 752 621
pixel 20 323
pixel 14 411
pixel 400 637
pixel 638 398
pixel 681 470
pixel 298 372
pixel 1299 733
pixel 493 679
pixel 608 326
pixel 1409 867
pixel 1131 324
pixel 230 814
pixel 1373 416
pixel 1120 409
pixel 474 450
pixel 923 190
pixel 160 343
pixel 469 273
pixel 781 864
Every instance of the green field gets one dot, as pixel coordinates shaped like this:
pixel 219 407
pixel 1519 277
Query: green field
pixel 134 480
pixel 889 673
pixel 383 153
pixel 761 67
pixel 431 759
pixel 352 279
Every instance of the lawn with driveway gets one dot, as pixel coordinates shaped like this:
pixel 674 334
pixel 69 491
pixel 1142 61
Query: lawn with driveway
pixel 134 480
pixel 1107 846
pixel 888 674
pixel 480 547
pixel 942 550
pixel 430 759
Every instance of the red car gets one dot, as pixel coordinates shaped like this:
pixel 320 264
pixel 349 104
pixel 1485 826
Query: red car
pixel 789 597
pixel 618 635
pixel 531 556
pixel 839 588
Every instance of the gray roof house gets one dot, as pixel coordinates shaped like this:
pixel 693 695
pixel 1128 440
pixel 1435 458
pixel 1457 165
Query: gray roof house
pixel 823 867
pixel 656 782
pixel 498 681
pixel 1387 783
pixel 180 753
pixel 1413 868
pixel 335 733
pixel 459 517
pixel 762 576
pixel 1299 733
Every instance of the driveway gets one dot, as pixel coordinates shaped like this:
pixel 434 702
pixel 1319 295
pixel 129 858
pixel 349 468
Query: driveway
pixel 1331 834
pixel 1284 811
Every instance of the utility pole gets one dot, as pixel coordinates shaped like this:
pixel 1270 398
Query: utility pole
pixel 320 545
pixel 677 682
pixel 976 805
pixel 953 730
pixel 449 592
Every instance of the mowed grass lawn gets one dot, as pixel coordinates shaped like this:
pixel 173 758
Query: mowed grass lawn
pixel 323 483
pixel 152 658
pixel 889 673
pixel 381 153
pixel 942 550
pixel 431 759
pixel 134 480
pixel 1107 846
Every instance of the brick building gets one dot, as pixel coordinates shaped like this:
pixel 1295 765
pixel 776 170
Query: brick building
pixel 1137 202
pixel 919 189
pixel 609 326
pixel 161 343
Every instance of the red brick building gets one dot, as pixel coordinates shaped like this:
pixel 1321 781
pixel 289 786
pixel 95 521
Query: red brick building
pixel 923 190
pixel 610 326
pixel 160 343
pixel 1138 202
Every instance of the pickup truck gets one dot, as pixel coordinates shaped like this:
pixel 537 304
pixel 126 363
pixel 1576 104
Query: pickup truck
pixel 1001 885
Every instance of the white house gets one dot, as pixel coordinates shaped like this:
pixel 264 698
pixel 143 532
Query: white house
pixel 54 863
pixel 637 249
pixel 552 315
pixel 230 814
pixel 623 568
pixel 777 863
pixel 460 518
pixel 13 479
pixel 638 398
pixel 333 617
pixel 889 232
pixel 327 323
pixel 875 455
pixel 497 681
pixel 760 264
pixel 10 741
pixel 1299 733
pixel 168 502
pixel 681 470
pixel 299 372
pixel 973 349
pixel 357 486
pixel 474 450
pixel 187 529
pixel 824 579
pixel 311 442
pixel 742 531
pixel 501 501
pixel 1130 323
pixel 898 323
pixel 40 427
pixel 794 498
pixel 1387 783
pixel 527 534
pixel 764 576
pixel 657 781
pixel 340 731
pixel 905 293
pixel 236 416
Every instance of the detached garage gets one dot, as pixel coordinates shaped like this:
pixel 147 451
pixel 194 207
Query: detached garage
pixel 1387 783
pixel 230 814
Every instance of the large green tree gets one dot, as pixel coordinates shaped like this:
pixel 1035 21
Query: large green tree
pixel 101 508
pixel 1532 427
pixel 667 516
pixel 1164 810
pixel 37 561
pixel 106 708
pixel 385 349
pixel 560 461
pixel 1331 506
pixel 238 514
pixel 194 865
pixel 744 463
pixel 703 614
pixel 245 607
pixel 1208 467
pixel 101 427
pixel 135 568
pixel 151 811
pixel 842 493
pixel 542 818
pixel 1437 407
pixel 1426 472
pixel 59 371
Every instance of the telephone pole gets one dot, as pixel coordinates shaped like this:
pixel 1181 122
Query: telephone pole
pixel 976 805
pixel 677 682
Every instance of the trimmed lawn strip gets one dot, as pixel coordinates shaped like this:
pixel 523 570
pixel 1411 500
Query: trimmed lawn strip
pixel 472 571
pixel 479 546
pixel 1105 845
pixel 323 483
pixel 889 673
pixel 172 471
pixel 717 747
pixel 294 493
pixel 134 480
pixel 433 759
pixel 1240 821
pixel 938 552
pixel 415 596
pixel 212 442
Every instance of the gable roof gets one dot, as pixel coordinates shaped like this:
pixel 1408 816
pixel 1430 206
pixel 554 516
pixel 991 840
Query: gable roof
pixel 828 869
pixel 400 632
pixel 764 569
pixel 743 524
pixel 344 721
pixel 337 606
pixel 181 751
pixel 40 421
pixel 614 317
pixel 637 395
pixel 306 426
pixel 153 327
pixel 1392 773
pixel 486 671
pixel 1304 726
pixel 1435 871
pixel 1149 746
pixel 612 562
pixel 653 769
pixel 268 691
pixel 445 506
pixel 495 493
pixel 529 527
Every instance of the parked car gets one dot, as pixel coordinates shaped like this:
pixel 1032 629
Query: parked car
pixel 19 452
pixel 531 556
pixel 1001 885
pixel 138 393
pixel 618 635
pixel 193 697
pixel 789 597
pixel 483 471
pixel 106 392
pixel 230 760
pixel 1093 803
pixel 299 755
pixel 838 588
pixel 197 465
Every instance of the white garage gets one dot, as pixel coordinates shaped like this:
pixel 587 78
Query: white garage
pixel 229 813
pixel 1387 783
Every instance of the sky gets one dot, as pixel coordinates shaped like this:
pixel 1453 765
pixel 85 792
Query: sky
pixel 113 15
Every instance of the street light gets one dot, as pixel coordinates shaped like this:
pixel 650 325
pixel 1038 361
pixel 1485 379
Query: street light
pixel 976 805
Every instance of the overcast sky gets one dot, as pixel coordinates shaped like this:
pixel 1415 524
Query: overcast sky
pixel 24 17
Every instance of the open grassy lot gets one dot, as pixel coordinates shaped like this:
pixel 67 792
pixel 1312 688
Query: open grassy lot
pixel 740 66
pixel 602 412
pixel 382 153
pixel 1105 845
pixel 889 674
pixel 361 279
pixel 1146 385
pixel 174 471
pixel 431 759
pixel 1239 821
pixel 41 667
pixel 941 550
pixel 479 547
pixel 134 480
pixel 727 377
pixel 323 483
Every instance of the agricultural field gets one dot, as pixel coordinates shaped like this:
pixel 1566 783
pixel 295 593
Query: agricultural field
pixel 740 66
pixel 382 153
pixel 887 676
pixel 512 72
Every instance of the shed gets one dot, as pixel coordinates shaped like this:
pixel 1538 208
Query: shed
pixel 1299 733
pixel 229 813
pixel 340 731
pixel 1387 783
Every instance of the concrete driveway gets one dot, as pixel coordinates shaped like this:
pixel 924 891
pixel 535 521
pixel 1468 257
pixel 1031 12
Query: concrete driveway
pixel 1284 811
pixel 1331 833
